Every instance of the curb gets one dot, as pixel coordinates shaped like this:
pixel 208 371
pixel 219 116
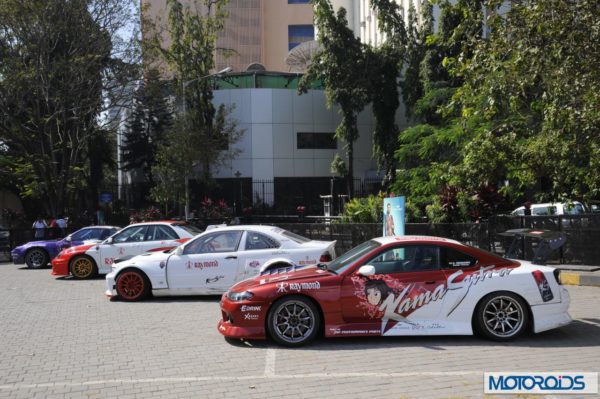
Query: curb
pixel 585 278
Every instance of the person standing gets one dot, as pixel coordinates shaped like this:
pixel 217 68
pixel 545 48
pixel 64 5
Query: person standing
pixel 61 223
pixel 39 228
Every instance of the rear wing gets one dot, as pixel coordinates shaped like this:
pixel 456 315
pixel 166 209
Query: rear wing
pixel 549 241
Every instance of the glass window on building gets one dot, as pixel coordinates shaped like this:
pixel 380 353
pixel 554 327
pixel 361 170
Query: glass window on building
pixel 316 141
pixel 299 34
pixel 298 1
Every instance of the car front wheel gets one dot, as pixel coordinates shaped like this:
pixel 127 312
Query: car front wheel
pixel 132 285
pixel 83 267
pixel 501 316
pixel 293 321
pixel 36 258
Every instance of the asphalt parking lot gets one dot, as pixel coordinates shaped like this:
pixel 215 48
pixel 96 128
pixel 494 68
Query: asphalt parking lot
pixel 63 338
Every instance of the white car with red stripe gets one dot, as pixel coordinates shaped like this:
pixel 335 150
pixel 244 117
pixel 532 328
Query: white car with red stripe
pixel 86 261
pixel 214 261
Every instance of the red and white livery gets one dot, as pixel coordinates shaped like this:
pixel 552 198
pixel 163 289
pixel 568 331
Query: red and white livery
pixel 396 286
pixel 86 261
pixel 214 261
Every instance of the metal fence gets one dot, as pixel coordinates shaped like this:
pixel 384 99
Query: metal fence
pixel 582 246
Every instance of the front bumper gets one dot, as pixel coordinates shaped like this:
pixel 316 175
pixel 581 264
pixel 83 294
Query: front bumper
pixel 60 267
pixel 17 258
pixel 239 322
pixel 111 285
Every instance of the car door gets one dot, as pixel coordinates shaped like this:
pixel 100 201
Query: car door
pixel 404 296
pixel 124 244
pixel 207 264
pixel 257 248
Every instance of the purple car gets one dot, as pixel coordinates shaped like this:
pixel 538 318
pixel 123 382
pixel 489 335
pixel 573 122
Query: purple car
pixel 38 253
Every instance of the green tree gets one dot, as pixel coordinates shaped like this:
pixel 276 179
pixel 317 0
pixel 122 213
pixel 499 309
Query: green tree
pixel 152 117
pixel 341 65
pixel 534 87
pixel 56 59
pixel 190 55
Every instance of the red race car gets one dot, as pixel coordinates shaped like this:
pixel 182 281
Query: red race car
pixel 398 286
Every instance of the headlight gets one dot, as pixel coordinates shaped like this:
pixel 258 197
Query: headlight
pixel 240 296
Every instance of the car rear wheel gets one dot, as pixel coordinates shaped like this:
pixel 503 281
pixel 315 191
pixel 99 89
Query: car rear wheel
pixel 36 258
pixel 132 285
pixel 293 321
pixel 83 267
pixel 502 316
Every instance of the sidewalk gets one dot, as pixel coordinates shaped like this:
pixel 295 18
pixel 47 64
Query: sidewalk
pixel 579 274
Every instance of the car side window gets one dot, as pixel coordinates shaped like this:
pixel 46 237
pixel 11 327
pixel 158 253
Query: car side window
pixel 107 233
pixel 256 240
pixel 131 234
pixel 165 233
pixel 224 241
pixel 453 259
pixel 410 258
pixel 81 235
pixel 157 233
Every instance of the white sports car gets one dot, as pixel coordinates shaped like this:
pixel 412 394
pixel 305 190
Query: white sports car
pixel 213 261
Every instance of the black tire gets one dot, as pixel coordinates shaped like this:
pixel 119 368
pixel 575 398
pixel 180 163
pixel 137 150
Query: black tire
pixel 83 267
pixel 132 285
pixel 501 316
pixel 295 312
pixel 36 258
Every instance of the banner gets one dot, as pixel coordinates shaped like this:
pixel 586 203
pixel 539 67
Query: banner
pixel 393 216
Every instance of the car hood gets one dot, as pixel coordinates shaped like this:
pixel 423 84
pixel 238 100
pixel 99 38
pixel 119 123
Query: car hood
pixel 40 243
pixel 287 274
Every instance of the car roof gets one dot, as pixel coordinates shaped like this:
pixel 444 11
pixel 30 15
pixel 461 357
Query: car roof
pixel 260 228
pixel 166 222
pixel 415 239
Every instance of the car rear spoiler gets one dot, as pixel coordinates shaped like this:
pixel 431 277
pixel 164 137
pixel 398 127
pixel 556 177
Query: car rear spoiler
pixel 550 241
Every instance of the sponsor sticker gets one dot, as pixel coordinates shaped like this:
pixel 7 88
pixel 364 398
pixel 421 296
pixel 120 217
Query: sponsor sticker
pixel 249 308
pixel 540 383
pixel 250 316
pixel 201 265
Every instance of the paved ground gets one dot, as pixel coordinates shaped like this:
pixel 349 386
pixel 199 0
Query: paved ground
pixel 63 338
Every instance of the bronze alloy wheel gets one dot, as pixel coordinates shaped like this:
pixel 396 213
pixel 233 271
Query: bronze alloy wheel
pixel 83 267
pixel 132 285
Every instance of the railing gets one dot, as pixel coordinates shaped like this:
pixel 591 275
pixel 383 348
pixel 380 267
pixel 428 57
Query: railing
pixel 583 233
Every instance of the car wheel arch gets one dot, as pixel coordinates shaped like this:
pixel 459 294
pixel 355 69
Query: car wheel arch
pixel 530 319
pixel 272 263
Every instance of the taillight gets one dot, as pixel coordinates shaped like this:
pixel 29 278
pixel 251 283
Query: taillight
pixel 326 257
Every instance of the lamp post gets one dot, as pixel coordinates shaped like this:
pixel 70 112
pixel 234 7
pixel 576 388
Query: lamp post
pixel 184 85
pixel 237 207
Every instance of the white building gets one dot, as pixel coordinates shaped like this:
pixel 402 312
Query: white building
pixel 288 137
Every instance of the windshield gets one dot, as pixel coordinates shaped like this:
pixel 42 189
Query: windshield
pixel 340 264
pixel 193 230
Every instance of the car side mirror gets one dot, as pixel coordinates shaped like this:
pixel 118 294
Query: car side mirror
pixel 179 250
pixel 366 270
pixel 109 240
pixel 68 238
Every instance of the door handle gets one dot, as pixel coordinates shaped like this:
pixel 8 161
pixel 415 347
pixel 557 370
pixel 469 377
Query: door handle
pixel 429 282
pixel 231 257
